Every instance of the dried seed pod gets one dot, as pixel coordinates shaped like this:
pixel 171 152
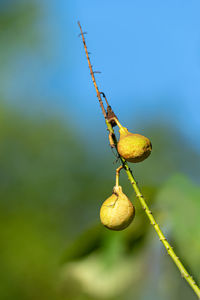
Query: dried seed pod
pixel 117 212
pixel 133 147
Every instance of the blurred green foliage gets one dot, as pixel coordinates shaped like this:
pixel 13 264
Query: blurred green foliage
pixel 52 245
pixel 18 20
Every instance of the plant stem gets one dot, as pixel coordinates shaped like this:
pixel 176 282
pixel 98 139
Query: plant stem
pixel 139 195
pixel 92 73
pixel 153 222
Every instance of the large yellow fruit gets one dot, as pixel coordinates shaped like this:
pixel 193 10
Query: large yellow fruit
pixel 117 212
pixel 132 146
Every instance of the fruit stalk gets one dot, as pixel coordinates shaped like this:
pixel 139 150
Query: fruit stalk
pixel 139 195
pixel 117 175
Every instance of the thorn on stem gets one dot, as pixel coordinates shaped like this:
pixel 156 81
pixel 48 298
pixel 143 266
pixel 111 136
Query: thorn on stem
pixel 80 34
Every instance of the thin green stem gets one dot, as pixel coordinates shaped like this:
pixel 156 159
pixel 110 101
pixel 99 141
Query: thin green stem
pixel 113 142
pixel 153 222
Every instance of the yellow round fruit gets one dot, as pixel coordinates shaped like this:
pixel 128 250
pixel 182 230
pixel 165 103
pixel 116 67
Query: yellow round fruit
pixel 132 146
pixel 117 212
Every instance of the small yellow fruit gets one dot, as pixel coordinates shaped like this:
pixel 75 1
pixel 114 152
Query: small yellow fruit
pixel 133 147
pixel 117 212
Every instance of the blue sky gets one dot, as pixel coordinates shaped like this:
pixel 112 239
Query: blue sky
pixel 148 53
